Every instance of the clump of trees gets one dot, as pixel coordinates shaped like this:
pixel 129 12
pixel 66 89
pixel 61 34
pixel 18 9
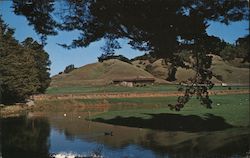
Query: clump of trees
pixel 104 57
pixel 69 68
pixel 23 67
pixel 240 50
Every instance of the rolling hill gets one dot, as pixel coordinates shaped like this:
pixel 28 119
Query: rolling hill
pixel 103 73
pixel 223 71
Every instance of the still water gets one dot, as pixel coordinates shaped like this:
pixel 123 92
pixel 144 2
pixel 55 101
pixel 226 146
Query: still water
pixel 38 135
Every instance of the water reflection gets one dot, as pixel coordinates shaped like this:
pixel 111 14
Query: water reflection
pixel 22 137
pixel 40 136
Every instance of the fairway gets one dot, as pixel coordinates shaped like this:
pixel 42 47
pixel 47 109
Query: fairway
pixel 233 109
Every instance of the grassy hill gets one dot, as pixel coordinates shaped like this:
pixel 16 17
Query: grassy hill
pixel 103 73
pixel 228 73
pixel 223 71
pixel 100 74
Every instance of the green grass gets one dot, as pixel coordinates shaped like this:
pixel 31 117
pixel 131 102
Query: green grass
pixel 111 88
pixel 233 108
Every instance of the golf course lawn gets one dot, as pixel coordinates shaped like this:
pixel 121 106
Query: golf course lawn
pixel 233 109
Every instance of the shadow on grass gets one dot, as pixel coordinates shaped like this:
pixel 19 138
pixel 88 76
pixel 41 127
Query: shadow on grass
pixel 172 122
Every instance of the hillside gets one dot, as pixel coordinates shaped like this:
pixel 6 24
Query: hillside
pixel 228 73
pixel 223 71
pixel 160 70
pixel 103 73
pixel 100 74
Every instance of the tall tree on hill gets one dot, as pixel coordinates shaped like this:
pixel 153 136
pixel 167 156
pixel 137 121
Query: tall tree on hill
pixel 19 68
pixel 161 27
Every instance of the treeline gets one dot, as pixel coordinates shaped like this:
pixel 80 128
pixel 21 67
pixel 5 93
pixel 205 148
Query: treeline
pixel 23 67
pixel 104 57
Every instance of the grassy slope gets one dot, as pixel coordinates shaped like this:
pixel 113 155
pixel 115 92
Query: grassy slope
pixel 99 74
pixel 229 73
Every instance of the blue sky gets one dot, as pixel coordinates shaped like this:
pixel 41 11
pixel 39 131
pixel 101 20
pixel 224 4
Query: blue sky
pixel 61 57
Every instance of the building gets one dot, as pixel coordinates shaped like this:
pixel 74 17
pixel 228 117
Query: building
pixel 131 82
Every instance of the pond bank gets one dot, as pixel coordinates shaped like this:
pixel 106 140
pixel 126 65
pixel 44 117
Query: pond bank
pixel 128 95
pixel 14 110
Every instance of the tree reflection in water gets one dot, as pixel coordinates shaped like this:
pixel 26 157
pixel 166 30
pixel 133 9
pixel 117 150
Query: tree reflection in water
pixel 27 138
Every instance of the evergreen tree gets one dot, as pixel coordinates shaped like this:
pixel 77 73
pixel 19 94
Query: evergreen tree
pixel 42 62
pixel 21 73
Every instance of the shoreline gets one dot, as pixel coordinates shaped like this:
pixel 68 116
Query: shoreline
pixel 14 110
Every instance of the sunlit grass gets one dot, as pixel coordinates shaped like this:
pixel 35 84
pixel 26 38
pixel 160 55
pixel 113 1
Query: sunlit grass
pixel 233 108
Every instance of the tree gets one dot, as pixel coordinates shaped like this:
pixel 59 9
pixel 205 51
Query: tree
pixel 19 69
pixel 161 27
pixel 42 62
pixel 243 48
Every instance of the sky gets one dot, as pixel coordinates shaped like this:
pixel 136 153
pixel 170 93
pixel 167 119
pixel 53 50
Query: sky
pixel 61 57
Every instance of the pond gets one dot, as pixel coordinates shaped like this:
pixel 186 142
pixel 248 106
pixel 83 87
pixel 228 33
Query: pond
pixel 40 135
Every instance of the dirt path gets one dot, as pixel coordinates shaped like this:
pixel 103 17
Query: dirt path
pixel 128 95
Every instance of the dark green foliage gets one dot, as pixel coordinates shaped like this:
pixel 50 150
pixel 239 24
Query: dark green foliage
pixel 229 52
pixel 110 45
pixel 104 57
pixel 42 62
pixel 243 48
pixel 69 68
pixel 154 25
pixel 214 45
pixel 23 69
pixel 42 21
pixel 240 50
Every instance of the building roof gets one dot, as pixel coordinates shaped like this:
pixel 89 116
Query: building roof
pixel 134 79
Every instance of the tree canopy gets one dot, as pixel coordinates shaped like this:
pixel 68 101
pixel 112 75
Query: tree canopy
pixel 23 67
pixel 162 27
pixel 155 25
